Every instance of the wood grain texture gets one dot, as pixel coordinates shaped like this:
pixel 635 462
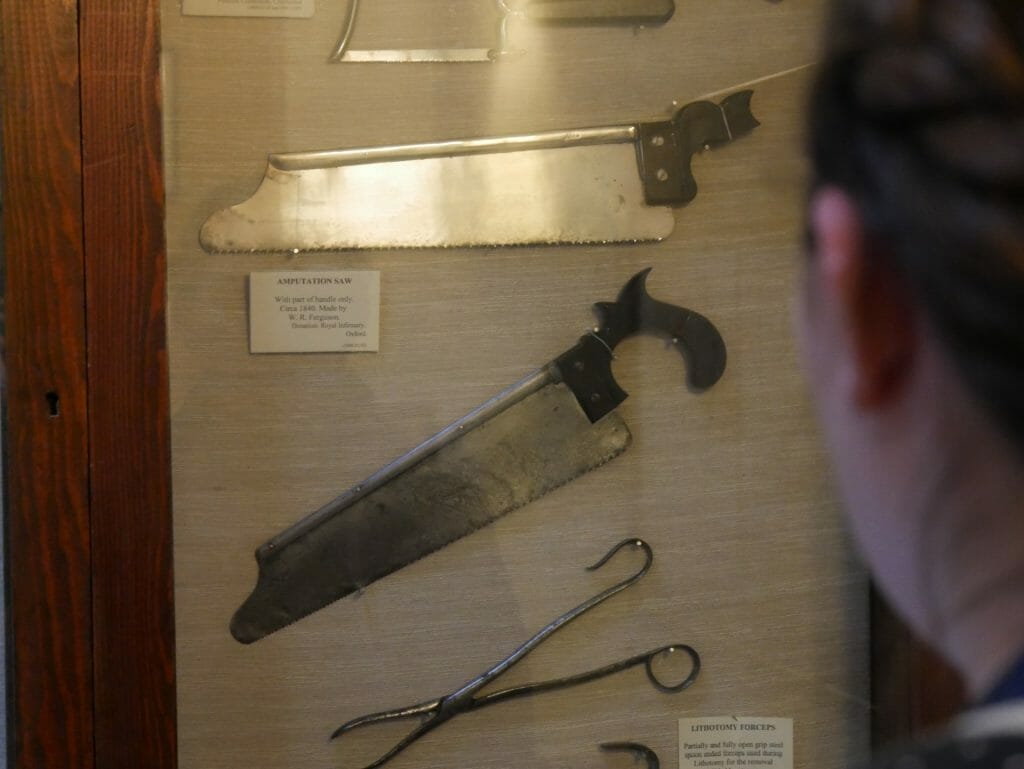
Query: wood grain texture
pixel 130 454
pixel 47 483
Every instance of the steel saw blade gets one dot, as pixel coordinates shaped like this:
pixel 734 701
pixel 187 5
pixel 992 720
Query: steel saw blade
pixel 608 184
pixel 539 443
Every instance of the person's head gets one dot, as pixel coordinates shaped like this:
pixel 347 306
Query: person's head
pixel 912 315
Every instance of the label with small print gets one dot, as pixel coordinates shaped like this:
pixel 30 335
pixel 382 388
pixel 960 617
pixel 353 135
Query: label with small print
pixel 292 9
pixel 735 742
pixel 307 311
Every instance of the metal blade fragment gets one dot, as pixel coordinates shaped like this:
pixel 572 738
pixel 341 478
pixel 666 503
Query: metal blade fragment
pixel 536 445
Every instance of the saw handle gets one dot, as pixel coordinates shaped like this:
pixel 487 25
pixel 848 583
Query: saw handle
pixel 599 12
pixel 665 149
pixel 636 312
pixel 586 368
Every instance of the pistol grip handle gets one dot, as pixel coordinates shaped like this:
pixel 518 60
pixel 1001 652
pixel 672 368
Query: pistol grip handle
pixel 696 337
pixel 587 368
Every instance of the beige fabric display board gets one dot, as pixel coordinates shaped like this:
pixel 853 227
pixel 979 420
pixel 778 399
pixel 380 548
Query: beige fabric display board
pixel 729 487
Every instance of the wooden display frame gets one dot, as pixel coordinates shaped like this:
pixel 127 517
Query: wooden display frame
pixel 88 466
pixel 88 506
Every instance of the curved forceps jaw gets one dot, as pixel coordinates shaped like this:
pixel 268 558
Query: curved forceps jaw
pixel 422 709
pixel 639 749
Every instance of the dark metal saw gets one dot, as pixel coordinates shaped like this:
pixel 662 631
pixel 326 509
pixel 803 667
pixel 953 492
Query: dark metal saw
pixel 542 432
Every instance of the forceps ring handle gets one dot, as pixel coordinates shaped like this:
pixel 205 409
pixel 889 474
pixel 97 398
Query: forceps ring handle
pixel 646 659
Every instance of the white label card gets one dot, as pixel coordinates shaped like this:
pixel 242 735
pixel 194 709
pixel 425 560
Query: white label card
pixel 307 311
pixel 735 742
pixel 293 9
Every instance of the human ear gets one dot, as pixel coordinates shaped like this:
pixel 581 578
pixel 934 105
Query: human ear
pixel 868 296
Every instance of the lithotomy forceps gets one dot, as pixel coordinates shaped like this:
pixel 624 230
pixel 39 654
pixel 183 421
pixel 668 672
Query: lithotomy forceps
pixel 465 698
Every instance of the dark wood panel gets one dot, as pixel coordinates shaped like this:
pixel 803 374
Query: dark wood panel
pixel 912 688
pixel 133 616
pixel 47 478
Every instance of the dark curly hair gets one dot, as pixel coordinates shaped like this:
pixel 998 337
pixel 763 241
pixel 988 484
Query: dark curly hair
pixel 917 113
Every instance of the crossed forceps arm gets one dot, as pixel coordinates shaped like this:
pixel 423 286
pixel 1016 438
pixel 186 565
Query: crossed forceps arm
pixel 464 699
